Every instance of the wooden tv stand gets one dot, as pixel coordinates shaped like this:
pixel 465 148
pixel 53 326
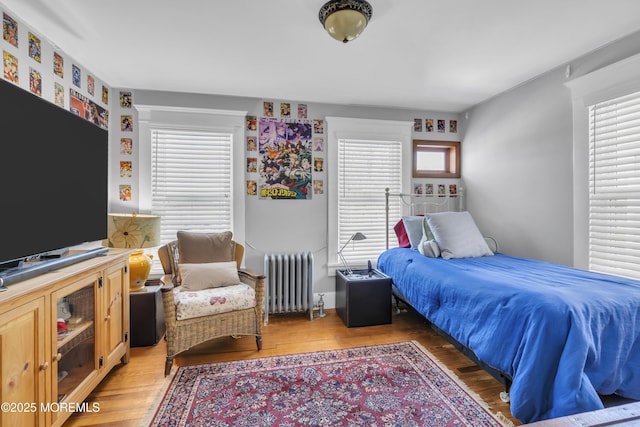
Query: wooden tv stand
pixel 60 334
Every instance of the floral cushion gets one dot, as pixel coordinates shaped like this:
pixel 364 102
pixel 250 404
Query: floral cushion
pixel 190 304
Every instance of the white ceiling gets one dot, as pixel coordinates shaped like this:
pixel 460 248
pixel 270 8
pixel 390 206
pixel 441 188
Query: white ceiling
pixel 442 55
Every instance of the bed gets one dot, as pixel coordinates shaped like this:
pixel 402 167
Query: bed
pixel 558 336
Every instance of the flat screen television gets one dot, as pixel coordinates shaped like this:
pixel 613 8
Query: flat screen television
pixel 53 175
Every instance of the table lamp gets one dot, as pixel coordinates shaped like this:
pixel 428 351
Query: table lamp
pixel 137 231
pixel 355 237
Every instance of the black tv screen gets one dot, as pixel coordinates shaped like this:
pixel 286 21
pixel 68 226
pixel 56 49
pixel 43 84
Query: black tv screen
pixel 53 175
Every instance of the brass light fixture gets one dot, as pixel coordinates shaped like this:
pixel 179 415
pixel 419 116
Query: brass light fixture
pixel 345 20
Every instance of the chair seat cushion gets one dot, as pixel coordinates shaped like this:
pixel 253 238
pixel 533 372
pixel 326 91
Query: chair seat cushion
pixel 190 304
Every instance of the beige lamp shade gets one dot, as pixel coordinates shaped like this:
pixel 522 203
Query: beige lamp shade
pixel 133 230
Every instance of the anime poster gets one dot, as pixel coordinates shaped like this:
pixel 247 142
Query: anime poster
pixel 35 47
pixel 126 169
pixel 10 67
pixel 428 190
pixel 429 125
pixel 91 85
pixel 126 123
pixel 284 150
pixel 82 106
pixel 10 29
pixel 285 109
pixel 453 126
pixel 126 99
pixel 76 75
pixel 58 94
pixel 125 192
pixel 302 111
pixel 417 125
pixel 35 81
pixel 267 109
pixel 105 95
pixel 440 125
pixel 126 146
pixel 58 65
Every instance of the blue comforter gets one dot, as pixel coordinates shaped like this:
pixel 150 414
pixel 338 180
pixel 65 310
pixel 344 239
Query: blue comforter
pixel 563 334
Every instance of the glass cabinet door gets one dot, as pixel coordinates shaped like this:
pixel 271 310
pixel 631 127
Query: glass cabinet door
pixel 75 345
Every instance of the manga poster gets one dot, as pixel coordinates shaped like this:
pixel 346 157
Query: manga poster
pixel 35 47
pixel 82 106
pixel 285 157
pixel 10 29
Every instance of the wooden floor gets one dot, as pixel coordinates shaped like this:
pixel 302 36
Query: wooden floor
pixel 129 391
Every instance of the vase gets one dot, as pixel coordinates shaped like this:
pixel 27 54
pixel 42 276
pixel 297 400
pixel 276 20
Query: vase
pixel 139 269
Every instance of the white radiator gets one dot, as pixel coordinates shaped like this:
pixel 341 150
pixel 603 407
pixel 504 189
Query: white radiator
pixel 288 283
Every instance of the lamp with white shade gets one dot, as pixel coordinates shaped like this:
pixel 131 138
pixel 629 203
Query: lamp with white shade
pixel 135 231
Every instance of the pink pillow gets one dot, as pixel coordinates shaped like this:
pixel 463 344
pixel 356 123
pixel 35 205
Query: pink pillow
pixel 401 234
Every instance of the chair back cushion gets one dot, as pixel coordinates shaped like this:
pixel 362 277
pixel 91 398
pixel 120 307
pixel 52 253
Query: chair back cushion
pixel 196 248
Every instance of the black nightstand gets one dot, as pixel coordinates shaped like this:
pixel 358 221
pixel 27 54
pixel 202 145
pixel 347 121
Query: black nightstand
pixel 363 299
pixel 146 316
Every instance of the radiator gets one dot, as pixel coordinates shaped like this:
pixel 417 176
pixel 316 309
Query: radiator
pixel 288 283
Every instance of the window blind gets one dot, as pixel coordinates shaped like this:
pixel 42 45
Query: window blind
pixel 614 186
pixel 365 169
pixel 191 182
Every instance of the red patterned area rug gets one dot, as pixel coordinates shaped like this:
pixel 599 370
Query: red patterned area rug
pixel 387 385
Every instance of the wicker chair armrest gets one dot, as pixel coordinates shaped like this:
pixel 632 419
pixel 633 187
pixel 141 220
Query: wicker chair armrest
pixel 250 278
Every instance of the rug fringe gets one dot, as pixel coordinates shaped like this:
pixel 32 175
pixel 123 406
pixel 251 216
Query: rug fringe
pixel 146 421
pixel 500 417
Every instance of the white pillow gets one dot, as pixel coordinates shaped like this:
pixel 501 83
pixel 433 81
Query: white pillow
pixel 428 246
pixel 413 226
pixel 199 276
pixel 457 235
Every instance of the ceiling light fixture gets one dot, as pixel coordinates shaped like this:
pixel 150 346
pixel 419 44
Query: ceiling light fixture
pixel 345 20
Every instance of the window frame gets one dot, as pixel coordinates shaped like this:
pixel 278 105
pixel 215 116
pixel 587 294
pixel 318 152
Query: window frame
pixel 363 130
pixel 451 150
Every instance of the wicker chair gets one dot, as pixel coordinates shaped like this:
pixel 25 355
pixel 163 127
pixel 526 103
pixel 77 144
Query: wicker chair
pixel 184 334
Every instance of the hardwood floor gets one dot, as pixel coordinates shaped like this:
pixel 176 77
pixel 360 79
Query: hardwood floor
pixel 128 393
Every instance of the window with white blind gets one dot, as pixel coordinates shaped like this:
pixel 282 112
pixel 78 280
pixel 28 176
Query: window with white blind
pixel 614 186
pixel 365 168
pixel 191 180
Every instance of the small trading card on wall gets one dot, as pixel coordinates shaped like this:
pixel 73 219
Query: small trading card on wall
pixel 440 125
pixel 318 126
pixel 302 111
pixel 10 29
pixel 453 126
pixel 417 188
pixel 252 164
pixel 453 190
pixel 318 143
pixel 429 125
pixel 442 190
pixel 417 125
pixel 126 146
pixel 125 192
pixel 105 95
pixel 252 188
pixel 126 123
pixel 126 169
pixel 267 109
pixel 35 47
pixel 91 85
pixel 76 75
pixel 58 94
pixel 58 65
pixel 252 143
pixel 285 109
pixel 252 122
pixel 428 190
pixel 35 81
pixel 126 99
pixel 10 67
pixel 318 186
pixel 318 164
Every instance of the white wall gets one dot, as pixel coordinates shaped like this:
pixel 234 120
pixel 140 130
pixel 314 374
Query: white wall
pixel 517 162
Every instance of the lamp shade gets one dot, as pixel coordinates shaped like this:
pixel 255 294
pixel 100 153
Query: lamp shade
pixel 133 230
pixel 345 20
